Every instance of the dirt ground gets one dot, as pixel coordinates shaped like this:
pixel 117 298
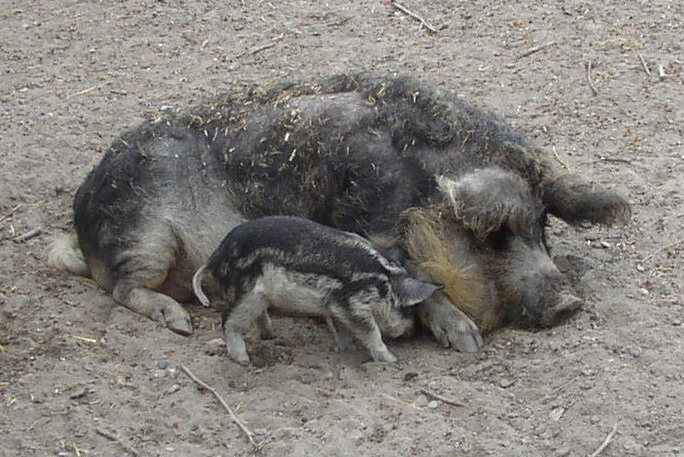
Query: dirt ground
pixel 600 84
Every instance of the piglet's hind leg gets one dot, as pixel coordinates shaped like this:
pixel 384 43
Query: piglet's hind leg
pixel 249 308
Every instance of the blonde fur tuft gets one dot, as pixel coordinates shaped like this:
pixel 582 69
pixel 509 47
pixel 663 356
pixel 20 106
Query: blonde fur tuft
pixel 65 254
pixel 428 245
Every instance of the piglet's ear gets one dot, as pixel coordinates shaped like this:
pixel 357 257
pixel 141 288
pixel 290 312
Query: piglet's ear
pixel 412 291
pixel 486 200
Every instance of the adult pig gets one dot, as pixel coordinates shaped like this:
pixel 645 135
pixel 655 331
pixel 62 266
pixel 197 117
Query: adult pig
pixel 354 152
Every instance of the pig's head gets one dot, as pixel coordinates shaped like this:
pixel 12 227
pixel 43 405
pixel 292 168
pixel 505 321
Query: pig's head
pixel 487 245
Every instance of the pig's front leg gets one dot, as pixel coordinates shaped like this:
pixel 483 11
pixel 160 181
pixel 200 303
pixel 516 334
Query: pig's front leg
pixel 371 339
pixel 449 325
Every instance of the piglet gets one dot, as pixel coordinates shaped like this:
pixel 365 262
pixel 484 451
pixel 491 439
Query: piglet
pixel 304 268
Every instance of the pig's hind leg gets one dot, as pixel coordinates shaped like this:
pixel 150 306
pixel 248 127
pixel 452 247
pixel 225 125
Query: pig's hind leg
pixel 265 326
pixel 143 276
pixel 343 338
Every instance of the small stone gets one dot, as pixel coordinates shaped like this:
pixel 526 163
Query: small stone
pixel 643 291
pixel 505 383
pixel 172 390
pixel 356 437
pixel 158 374
pixel 410 375
pixel 433 404
pixel 641 268
pixel 162 365
pixel 80 393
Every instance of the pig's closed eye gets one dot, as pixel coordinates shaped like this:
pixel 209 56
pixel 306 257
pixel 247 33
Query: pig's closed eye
pixel 499 239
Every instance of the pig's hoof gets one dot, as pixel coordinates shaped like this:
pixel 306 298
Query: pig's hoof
pixel 174 317
pixel 180 324
pixel 451 326
pixel 463 336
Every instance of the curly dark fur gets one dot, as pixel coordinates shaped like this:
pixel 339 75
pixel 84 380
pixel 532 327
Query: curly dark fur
pixel 349 151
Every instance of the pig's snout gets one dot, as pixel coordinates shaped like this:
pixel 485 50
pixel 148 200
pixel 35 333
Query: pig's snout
pixel 566 305
pixel 546 295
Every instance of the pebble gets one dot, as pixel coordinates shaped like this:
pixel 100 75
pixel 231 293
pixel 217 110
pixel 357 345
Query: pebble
pixel 356 437
pixel 158 374
pixel 641 268
pixel 505 383
pixel 172 390
pixel 433 404
pixel 643 291
pixel 162 365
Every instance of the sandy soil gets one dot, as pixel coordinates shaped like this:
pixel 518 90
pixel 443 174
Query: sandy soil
pixel 80 376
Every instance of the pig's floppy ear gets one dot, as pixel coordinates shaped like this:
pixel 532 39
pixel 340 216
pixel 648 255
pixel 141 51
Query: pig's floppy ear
pixel 486 200
pixel 412 291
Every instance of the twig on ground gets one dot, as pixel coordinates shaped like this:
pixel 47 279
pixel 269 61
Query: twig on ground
pixel 645 65
pixel 10 214
pixel 609 439
pixel 28 235
pixel 438 397
pixel 263 47
pixel 85 91
pixel 612 160
pixel 83 338
pixel 233 416
pixel 534 49
pixel 560 159
pixel 589 81
pixel 118 441
pixel 402 402
pixel 415 16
